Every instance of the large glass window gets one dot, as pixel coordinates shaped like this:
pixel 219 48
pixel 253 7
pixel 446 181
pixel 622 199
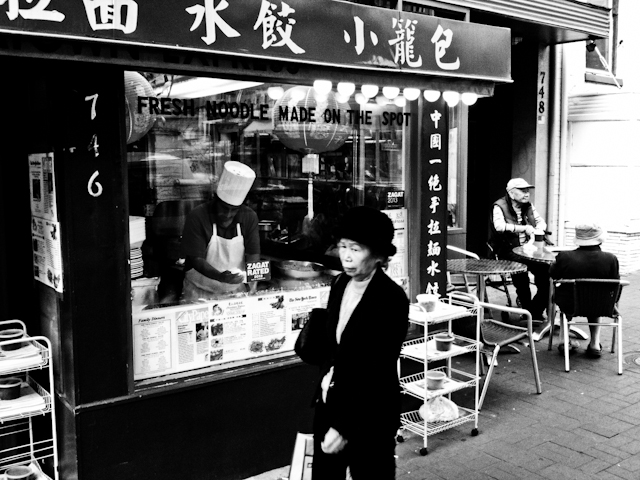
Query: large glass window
pixel 314 155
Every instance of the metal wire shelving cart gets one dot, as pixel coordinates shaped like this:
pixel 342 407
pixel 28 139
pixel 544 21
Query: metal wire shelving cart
pixel 28 423
pixel 422 349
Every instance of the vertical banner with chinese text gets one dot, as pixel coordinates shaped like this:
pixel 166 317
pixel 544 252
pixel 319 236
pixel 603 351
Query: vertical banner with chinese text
pixel 434 157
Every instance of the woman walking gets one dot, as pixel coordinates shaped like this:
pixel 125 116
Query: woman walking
pixel 358 397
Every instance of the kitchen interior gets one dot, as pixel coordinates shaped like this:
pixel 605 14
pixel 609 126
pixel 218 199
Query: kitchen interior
pixel 307 173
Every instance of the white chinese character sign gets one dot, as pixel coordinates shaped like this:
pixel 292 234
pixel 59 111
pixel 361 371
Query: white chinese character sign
pixel 433 254
pixel 323 32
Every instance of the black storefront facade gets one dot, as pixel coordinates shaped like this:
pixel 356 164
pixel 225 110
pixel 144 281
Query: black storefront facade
pixel 152 387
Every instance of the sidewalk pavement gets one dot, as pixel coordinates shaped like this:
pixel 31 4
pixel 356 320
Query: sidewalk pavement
pixel 584 425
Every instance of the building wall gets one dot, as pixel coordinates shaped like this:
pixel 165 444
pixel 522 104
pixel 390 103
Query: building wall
pixel 602 164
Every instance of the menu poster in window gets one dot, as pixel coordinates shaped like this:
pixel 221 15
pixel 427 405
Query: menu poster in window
pixel 398 265
pixel 229 329
pixel 188 337
pixel 192 330
pixel 299 306
pixel 47 257
pixel 152 345
pixel 42 186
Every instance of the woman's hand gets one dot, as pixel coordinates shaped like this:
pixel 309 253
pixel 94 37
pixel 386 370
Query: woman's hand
pixel 333 442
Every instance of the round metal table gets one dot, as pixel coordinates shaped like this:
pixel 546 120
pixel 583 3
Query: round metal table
pixel 483 267
pixel 547 255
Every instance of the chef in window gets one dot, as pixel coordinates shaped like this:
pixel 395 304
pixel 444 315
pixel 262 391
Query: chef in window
pixel 219 237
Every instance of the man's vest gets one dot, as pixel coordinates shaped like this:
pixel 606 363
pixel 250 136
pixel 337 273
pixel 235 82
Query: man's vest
pixel 504 242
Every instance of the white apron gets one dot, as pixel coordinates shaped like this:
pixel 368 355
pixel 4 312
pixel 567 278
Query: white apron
pixel 223 254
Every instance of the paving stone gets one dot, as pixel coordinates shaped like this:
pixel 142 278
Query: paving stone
pixel 620 472
pixel 594 466
pixel 585 424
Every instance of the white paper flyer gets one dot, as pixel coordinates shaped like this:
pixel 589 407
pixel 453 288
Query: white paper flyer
pixel 42 186
pixel 47 257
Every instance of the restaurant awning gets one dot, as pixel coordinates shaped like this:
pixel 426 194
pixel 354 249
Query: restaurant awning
pixel 547 21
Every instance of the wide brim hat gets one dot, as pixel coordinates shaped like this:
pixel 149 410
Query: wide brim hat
pixel 235 182
pixel 369 227
pixel 589 234
pixel 518 183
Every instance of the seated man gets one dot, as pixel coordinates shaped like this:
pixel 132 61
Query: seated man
pixel 513 222
pixel 587 261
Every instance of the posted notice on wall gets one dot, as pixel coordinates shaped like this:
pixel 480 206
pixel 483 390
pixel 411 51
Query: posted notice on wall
pixel 42 186
pixel 45 229
pixel 188 337
pixel 47 257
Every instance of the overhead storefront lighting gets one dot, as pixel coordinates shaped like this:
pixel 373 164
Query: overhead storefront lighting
pixel 297 94
pixel 275 92
pixel 390 92
pixel 381 100
pixel 361 99
pixel 342 98
pixel 469 98
pixel 452 98
pixel 431 95
pixel 369 90
pixel 202 87
pixel 400 101
pixel 323 87
pixel 411 93
pixel 346 88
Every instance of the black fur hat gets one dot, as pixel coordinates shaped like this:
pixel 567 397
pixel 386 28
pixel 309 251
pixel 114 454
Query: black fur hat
pixel 370 227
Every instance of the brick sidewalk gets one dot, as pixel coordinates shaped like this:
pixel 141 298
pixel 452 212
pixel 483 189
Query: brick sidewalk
pixel 585 424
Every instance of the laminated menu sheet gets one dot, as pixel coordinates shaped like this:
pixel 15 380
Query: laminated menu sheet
pixel 192 336
pixel 28 402
pixel 21 358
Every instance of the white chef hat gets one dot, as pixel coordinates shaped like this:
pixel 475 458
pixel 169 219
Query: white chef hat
pixel 235 182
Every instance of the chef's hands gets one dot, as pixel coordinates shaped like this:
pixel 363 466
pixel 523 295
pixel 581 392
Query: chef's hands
pixel 228 277
pixel 529 230
pixel 333 442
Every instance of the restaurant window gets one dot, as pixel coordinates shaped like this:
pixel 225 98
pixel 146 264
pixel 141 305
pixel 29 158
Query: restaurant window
pixel 184 135
pixel 456 173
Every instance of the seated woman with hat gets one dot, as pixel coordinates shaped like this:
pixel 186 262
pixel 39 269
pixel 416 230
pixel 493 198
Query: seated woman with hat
pixel 587 261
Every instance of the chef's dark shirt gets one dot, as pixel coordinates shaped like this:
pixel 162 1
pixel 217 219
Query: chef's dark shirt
pixel 198 229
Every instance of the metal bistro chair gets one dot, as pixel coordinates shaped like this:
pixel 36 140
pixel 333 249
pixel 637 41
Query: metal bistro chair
pixel 466 286
pixel 495 335
pixel 594 297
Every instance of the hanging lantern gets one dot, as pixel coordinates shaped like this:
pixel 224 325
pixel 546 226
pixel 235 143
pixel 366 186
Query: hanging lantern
pixel 137 125
pixel 292 123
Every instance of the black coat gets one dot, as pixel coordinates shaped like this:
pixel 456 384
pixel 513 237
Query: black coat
pixel 365 397
pixel 584 262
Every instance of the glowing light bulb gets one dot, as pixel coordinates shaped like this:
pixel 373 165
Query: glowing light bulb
pixel 431 95
pixel 411 93
pixel 275 92
pixel 400 101
pixel 297 94
pixel 390 92
pixel 340 98
pixel 361 99
pixel 469 98
pixel 381 100
pixel 452 98
pixel 369 91
pixel 346 88
pixel 323 87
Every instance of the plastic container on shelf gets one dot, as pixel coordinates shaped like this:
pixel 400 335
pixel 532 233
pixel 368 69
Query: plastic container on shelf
pixel 11 334
pixel 10 388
